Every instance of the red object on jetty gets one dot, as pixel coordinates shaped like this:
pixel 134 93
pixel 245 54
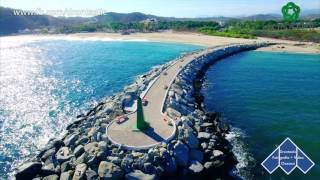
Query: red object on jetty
pixel 121 119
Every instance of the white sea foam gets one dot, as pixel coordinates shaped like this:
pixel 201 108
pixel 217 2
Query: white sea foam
pixel 239 148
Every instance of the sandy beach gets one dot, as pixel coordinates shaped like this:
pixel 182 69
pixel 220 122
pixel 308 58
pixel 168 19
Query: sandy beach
pixel 178 37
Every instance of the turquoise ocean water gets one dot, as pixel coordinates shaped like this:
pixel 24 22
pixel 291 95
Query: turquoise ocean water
pixel 267 97
pixel 45 84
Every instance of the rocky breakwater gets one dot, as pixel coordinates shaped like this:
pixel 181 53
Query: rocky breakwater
pixel 207 153
pixel 198 149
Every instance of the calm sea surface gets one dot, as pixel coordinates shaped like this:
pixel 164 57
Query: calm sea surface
pixel 45 84
pixel 267 97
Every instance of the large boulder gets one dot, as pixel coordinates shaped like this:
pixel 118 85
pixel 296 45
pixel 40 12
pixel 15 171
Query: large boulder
pixel 92 148
pixel 177 89
pixel 91 174
pixel 51 177
pixel 204 135
pixel 64 154
pixel 80 172
pixel 148 168
pixel 66 166
pixel 78 150
pixel 181 153
pixel 108 170
pixel 47 154
pixel 138 175
pixel 48 169
pixel 217 155
pixel 173 113
pixel 71 139
pixel 126 163
pixel 114 159
pixel 195 167
pixel 66 175
pixel 28 170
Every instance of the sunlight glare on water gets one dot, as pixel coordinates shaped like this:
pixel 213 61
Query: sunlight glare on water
pixel 45 84
pixel 25 100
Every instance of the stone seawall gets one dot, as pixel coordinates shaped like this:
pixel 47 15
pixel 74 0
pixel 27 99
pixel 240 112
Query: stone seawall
pixel 199 148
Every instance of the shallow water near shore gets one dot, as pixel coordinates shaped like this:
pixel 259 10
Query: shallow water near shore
pixel 267 97
pixel 45 84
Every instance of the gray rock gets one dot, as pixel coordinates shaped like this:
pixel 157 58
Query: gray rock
pixel 91 160
pixel 141 161
pixel 181 153
pixel 159 170
pixel 80 172
pixel 208 165
pixel 126 164
pixel 204 145
pixel 49 153
pixel 104 138
pixel 82 140
pixel 204 135
pixel 157 160
pixel 48 169
pixel 148 168
pixel 65 166
pixel 63 154
pixel 173 113
pixel 177 97
pixel 70 140
pixel 136 154
pixel 171 94
pixel 82 159
pixel 28 170
pixel 57 143
pixel 177 89
pixel 91 131
pixel 91 174
pixel 103 145
pixel 139 175
pixel 204 125
pixel 66 175
pixel 218 163
pixel 187 120
pixel 51 177
pixel 195 167
pixel 114 159
pixel 78 150
pixel 92 148
pixel 108 170
pixel 196 155
pixel 217 153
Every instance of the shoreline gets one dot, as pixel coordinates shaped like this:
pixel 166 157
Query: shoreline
pixel 180 37
pixel 199 148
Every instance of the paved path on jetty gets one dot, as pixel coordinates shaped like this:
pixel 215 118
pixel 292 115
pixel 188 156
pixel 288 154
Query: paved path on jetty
pixel 160 130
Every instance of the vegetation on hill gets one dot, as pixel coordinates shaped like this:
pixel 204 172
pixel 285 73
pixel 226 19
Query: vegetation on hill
pixel 226 33
pixel 301 31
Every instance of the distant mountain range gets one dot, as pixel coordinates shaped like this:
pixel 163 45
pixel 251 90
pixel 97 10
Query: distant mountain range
pixel 10 23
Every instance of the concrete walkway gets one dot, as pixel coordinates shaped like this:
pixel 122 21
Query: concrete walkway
pixel 160 130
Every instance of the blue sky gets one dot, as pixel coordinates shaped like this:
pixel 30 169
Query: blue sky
pixel 177 8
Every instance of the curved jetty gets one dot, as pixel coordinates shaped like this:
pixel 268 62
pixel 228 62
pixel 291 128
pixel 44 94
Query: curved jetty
pixel 181 140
